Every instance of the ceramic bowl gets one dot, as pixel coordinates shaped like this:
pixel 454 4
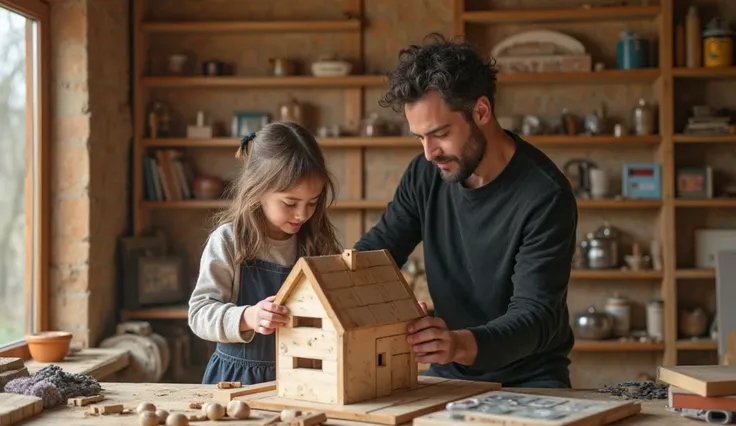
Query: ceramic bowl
pixel 49 346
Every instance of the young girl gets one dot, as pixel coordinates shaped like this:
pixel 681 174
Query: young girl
pixel 277 215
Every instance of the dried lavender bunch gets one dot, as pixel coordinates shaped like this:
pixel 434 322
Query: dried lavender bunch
pixel 70 385
pixel 637 390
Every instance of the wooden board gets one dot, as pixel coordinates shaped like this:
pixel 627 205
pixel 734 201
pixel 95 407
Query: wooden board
pixel 512 408
pixel 431 394
pixel 703 380
pixel 14 408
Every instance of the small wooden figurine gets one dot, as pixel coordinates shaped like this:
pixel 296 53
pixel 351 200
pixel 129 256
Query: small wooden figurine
pixel 346 340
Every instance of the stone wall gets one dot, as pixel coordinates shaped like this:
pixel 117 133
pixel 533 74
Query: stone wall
pixel 91 132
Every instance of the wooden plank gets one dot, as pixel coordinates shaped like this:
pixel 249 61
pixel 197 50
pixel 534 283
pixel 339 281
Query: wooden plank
pixel 704 73
pixel 14 408
pixel 703 380
pixel 686 138
pixel 239 81
pixel 96 362
pixel 223 396
pixel 396 408
pixel 10 363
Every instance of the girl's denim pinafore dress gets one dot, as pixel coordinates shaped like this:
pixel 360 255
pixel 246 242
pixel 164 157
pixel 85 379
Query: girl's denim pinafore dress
pixel 254 362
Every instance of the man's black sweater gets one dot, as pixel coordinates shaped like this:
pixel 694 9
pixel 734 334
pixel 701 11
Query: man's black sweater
pixel 497 260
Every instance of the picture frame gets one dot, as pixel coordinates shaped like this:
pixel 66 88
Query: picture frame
pixel 130 249
pixel 246 122
pixel 161 280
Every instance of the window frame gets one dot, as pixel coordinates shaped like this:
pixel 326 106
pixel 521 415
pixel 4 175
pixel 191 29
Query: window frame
pixel 38 171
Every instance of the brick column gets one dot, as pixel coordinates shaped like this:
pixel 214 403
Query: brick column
pixel 91 132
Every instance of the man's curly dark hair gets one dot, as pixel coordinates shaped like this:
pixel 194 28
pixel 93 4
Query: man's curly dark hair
pixel 454 69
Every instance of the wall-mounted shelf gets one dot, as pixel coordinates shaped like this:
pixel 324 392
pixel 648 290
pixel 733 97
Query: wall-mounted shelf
pixel 614 274
pixel 695 274
pixel 561 15
pixel 704 73
pixel 260 82
pixel 409 142
pixel 249 26
pixel 685 138
pixel 697 345
pixel 704 203
pixel 616 346
pixel 643 76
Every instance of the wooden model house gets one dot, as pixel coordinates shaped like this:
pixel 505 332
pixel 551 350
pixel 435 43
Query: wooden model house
pixel 346 341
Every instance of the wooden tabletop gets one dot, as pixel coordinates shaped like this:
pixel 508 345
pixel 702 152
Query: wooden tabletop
pixel 177 397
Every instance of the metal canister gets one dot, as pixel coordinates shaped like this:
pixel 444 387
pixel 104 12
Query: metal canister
pixel 619 308
pixel 717 45
pixel 655 319
pixel 643 118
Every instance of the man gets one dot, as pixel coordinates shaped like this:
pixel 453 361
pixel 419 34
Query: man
pixel 497 220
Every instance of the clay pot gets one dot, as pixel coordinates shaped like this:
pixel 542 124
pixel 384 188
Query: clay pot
pixel 49 346
pixel 208 187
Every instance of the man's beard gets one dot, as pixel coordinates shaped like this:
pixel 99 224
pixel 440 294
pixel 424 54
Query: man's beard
pixel 470 158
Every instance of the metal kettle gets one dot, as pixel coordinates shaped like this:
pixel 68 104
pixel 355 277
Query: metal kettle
pixel 601 248
pixel 577 171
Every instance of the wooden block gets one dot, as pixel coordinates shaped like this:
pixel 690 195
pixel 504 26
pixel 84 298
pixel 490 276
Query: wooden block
pixel 14 408
pixel 270 420
pixel 309 419
pixel 106 409
pixel 11 363
pixel 85 400
pixel 196 417
pixel 229 385
pixel 223 396
pixel 9 375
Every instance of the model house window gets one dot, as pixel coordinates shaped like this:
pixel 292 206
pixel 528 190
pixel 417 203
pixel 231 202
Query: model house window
pixel 307 322
pixel 381 359
pixel 311 363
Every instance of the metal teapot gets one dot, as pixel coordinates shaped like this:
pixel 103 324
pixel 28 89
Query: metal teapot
pixel 593 325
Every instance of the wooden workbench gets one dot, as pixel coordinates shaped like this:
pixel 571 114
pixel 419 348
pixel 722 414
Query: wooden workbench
pixel 176 397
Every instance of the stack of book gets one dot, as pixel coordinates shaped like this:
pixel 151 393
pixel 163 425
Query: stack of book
pixel 703 392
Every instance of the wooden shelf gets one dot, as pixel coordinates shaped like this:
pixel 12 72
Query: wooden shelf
pixel 405 141
pixel 218 204
pixel 704 73
pixel 705 203
pixel 685 138
pixel 616 346
pixel 614 274
pixel 559 15
pixel 697 345
pixel 242 81
pixel 249 26
pixel 160 313
pixel 343 142
pixel 619 204
pixel 648 75
pixel 695 274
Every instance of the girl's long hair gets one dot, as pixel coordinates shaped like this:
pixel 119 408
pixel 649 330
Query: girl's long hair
pixel 281 155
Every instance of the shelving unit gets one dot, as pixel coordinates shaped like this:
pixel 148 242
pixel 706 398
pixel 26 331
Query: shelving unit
pixel 356 204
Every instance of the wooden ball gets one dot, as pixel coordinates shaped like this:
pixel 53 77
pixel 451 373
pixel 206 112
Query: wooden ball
pixel 288 414
pixel 177 419
pixel 162 415
pixel 238 409
pixel 147 418
pixel 145 406
pixel 204 407
pixel 215 411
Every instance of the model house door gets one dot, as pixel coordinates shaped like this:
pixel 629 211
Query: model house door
pixel 392 364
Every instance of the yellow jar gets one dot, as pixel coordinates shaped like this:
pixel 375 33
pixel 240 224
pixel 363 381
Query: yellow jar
pixel 717 45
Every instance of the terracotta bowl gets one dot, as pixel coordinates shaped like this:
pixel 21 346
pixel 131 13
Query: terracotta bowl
pixel 49 346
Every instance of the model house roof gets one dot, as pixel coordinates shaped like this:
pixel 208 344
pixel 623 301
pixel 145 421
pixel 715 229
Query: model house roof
pixel 357 289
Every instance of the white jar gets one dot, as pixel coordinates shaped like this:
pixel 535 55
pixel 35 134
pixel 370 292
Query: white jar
pixel 655 319
pixel 619 308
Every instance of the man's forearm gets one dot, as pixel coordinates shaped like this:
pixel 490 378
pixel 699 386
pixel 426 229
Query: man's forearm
pixel 466 348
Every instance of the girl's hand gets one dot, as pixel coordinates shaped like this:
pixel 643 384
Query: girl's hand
pixel 265 317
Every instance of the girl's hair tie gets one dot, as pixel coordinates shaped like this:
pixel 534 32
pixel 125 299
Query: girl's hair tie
pixel 246 139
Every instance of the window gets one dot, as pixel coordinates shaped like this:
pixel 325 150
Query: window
pixel 23 191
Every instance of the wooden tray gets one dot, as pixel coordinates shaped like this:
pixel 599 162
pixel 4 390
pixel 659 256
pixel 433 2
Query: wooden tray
pixel 520 409
pixel 430 395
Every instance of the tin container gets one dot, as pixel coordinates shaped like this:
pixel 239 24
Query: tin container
pixel 632 51
pixel 643 118
pixel 619 308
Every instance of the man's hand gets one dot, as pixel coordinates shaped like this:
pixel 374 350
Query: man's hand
pixel 433 342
